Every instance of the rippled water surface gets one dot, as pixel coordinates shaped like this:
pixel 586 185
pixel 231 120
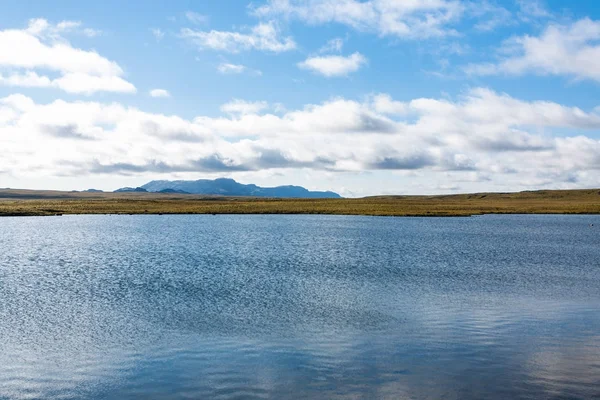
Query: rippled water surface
pixel 289 307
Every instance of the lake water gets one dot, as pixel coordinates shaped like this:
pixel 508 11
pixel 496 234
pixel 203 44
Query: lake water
pixel 293 307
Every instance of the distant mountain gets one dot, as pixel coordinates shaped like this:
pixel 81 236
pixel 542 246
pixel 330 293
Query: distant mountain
pixel 92 191
pixel 177 191
pixel 229 187
pixel 130 189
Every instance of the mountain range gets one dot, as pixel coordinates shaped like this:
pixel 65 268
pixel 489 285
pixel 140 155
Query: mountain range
pixel 228 187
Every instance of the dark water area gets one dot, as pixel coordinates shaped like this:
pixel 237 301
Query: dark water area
pixel 294 307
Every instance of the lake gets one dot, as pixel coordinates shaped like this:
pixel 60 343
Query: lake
pixel 299 306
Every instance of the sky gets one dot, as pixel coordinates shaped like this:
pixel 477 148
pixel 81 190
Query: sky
pixel 361 97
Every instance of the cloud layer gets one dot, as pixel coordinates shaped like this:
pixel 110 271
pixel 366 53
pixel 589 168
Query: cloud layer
pixel 477 137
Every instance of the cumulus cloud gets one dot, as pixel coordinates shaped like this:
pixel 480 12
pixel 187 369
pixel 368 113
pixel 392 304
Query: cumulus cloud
pixel 334 45
pixel 402 19
pixel 490 16
pixel 331 66
pixel 89 32
pixel 236 69
pixel 404 162
pixel 41 27
pixel 78 83
pixel 531 9
pixel 227 68
pixel 158 34
pixel 159 93
pixel 476 137
pixel 64 131
pixel 196 18
pixel 264 36
pixel 242 107
pixel 40 47
pixel 27 79
pixel 570 50
pixel 384 104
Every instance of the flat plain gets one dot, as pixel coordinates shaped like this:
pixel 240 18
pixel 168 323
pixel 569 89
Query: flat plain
pixel 46 203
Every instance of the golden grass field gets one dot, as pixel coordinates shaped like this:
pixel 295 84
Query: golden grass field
pixel 33 203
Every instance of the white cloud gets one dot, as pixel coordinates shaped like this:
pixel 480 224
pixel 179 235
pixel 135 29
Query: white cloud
pixel 37 26
pixel 491 16
pixel 196 18
pixel 242 107
pixel 227 68
pixel 479 137
pixel 384 104
pixel 65 26
pixel 88 84
pixel 42 28
pixel 32 53
pixel 230 69
pixel 28 79
pixel 158 34
pixel 332 46
pixel 89 32
pixel 331 66
pixel 264 36
pixel 570 50
pixel 402 19
pixel 77 83
pixel 533 9
pixel 41 48
pixel 159 93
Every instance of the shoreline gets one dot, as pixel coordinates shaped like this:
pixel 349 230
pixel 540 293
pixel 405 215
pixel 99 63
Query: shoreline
pixel 15 203
pixel 30 215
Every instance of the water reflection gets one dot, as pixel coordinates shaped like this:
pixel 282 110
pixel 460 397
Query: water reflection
pixel 299 307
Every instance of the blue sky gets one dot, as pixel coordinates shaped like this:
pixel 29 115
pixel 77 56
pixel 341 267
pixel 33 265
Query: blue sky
pixel 361 97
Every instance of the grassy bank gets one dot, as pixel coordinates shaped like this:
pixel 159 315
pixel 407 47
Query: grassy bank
pixel 28 203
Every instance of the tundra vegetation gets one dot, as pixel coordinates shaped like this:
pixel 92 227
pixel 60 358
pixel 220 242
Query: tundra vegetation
pixel 41 203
